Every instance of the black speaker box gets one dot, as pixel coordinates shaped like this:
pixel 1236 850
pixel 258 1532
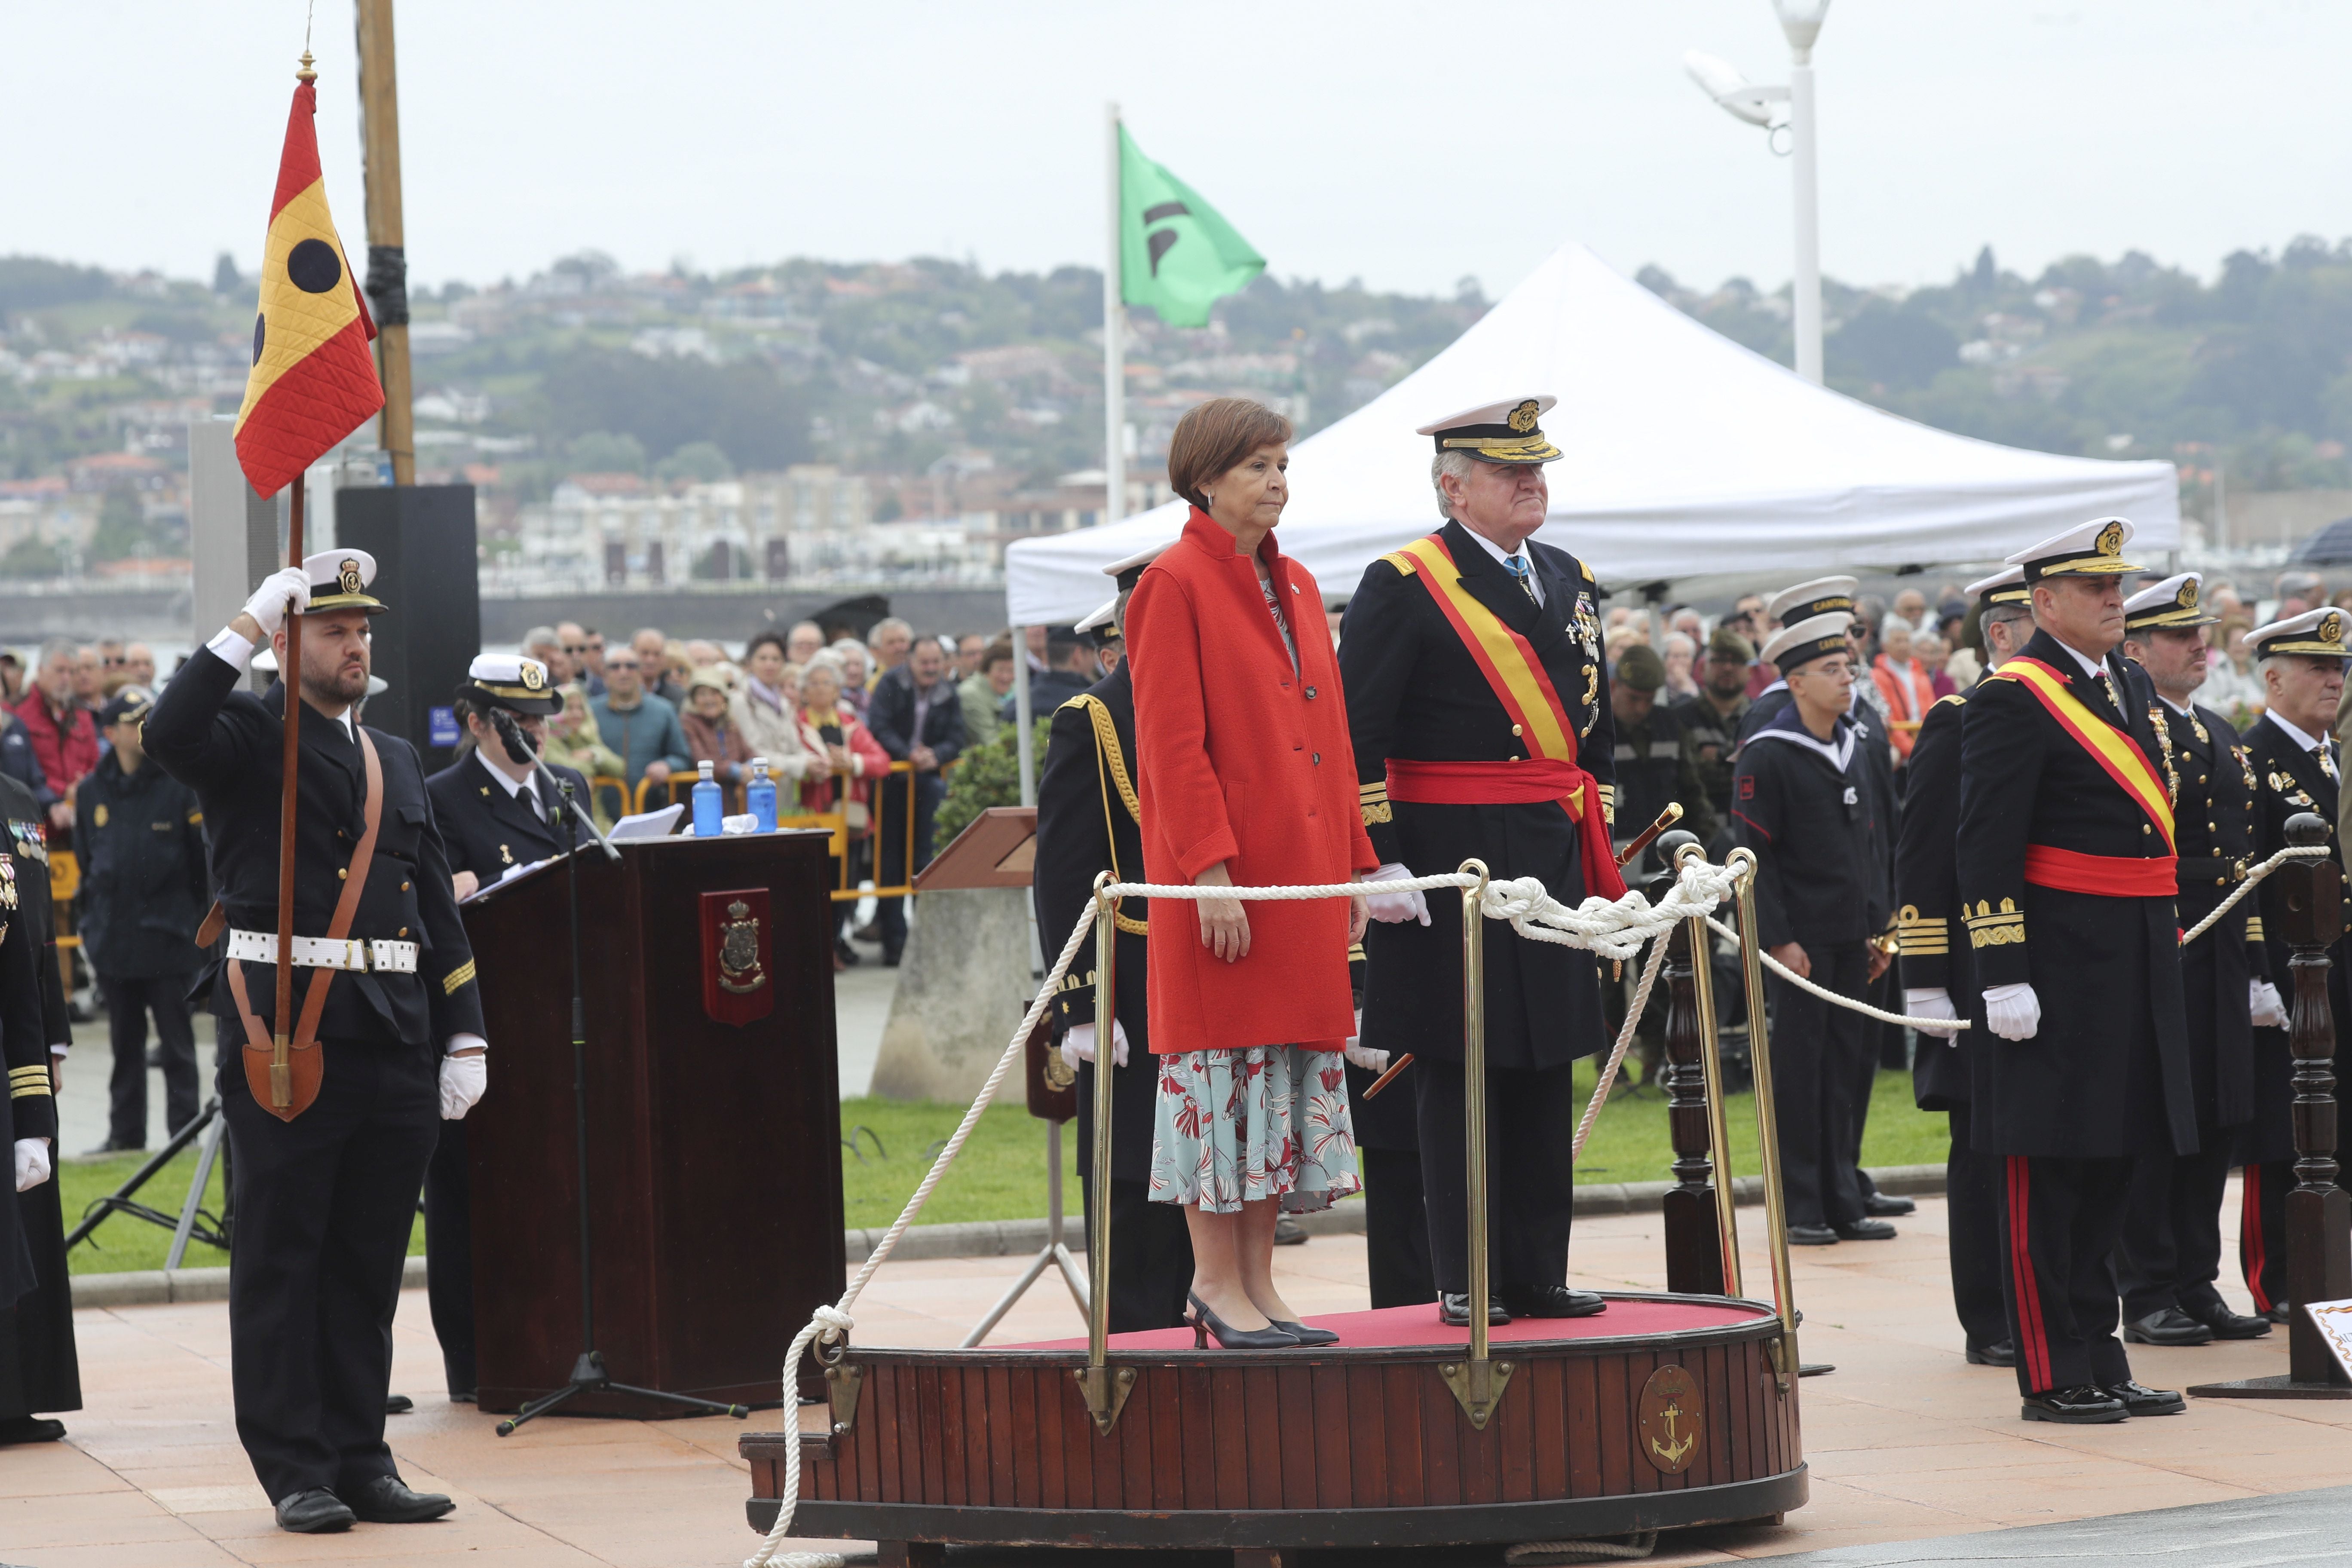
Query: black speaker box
pixel 422 537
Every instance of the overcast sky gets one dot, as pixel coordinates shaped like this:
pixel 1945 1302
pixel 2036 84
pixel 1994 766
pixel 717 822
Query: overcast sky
pixel 1407 144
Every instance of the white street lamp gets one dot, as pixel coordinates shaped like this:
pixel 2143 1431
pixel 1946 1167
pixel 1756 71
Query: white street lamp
pixel 1801 22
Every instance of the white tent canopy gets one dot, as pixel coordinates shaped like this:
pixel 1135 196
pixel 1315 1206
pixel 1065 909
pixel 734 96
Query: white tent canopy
pixel 1686 456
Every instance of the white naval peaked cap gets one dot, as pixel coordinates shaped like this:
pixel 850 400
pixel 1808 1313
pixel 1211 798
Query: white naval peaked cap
pixel 1127 569
pixel 512 682
pixel 2316 633
pixel 2171 603
pixel 1503 432
pixel 1821 596
pixel 340 580
pixel 2092 549
pixel 2006 586
pixel 1100 615
pixel 1815 637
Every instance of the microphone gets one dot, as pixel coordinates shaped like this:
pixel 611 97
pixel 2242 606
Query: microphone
pixel 519 750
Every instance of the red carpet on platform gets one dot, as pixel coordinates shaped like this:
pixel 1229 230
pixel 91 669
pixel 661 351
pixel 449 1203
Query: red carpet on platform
pixel 1402 1326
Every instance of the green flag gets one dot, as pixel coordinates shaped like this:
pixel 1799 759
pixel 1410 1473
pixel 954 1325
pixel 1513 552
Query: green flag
pixel 1176 253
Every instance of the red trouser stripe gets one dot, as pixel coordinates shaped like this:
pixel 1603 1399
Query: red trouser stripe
pixel 2252 1254
pixel 2033 1339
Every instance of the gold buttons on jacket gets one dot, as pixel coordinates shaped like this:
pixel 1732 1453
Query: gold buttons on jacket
pixel 341 874
pixel 2144 827
pixel 403 887
pixel 1515 729
pixel 403 931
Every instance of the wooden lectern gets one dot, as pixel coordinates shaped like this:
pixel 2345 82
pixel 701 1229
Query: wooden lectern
pixel 714 1147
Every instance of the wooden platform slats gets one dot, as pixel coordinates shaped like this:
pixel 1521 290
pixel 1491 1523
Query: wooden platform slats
pixel 1288 1434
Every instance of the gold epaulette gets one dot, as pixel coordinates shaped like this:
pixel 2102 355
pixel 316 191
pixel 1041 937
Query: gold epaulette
pixel 1372 799
pixel 1927 935
pixel 27 1082
pixel 1588 570
pixel 1988 927
pixel 1404 564
pixel 1955 697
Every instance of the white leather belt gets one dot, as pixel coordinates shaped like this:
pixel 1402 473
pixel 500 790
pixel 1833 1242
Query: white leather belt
pixel 318 952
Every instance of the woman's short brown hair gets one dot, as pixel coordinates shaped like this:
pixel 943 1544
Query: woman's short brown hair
pixel 1213 437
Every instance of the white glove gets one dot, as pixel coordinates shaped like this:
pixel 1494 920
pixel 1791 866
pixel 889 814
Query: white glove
pixel 267 606
pixel 2268 1007
pixel 1931 1002
pixel 1372 1061
pixel 1395 908
pixel 32 1163
pixel 1079 1045
pixel 2013 1012
pixel 463 1078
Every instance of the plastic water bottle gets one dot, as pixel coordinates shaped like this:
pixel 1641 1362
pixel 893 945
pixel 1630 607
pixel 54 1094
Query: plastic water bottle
pixel 761 797
pixel 708 807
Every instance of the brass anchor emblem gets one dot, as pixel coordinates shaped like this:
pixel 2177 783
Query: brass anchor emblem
pixel 1671 1413
pixel 1676 1451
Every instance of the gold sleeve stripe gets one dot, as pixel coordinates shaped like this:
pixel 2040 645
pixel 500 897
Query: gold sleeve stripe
pixel 2255 928
pixel 460 976
pixel 1355 951
pixel 1376 790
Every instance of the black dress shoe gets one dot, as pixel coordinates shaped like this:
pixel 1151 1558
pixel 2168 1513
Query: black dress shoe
pixel 2171 1326
pixel 2279 1314
pixel 2086 1405
pixel 1288 1232
pixel 31 1429
pixel 111 1147
pixel 1454 1310
pixel 398 1404
pixel 1866 1230
pixel 2227 1324
pixel 1552 1301
pixel 2001 1354
pixel 462 1396
pixel 2138 1399
pixel 386 1500
pixel 1811 1235
pixel 1881 1204
pixel 317 1512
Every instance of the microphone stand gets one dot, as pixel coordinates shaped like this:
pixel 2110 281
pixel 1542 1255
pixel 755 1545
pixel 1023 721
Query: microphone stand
pixel 588 1371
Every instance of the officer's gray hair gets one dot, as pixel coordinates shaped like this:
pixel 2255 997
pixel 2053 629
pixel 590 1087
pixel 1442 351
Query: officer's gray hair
pixel 1457 463
pixel 60 647
pixel 541 637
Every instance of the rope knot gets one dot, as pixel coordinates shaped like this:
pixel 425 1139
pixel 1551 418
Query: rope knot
pixel 835 1323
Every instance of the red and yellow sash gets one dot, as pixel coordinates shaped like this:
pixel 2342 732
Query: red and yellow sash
pixel 2115 753
pixel 1517 678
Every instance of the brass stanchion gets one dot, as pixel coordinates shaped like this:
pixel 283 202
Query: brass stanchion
pixel 1702 942
pixel 1767 1134
pixel 1478 1383
pixel 1104 1388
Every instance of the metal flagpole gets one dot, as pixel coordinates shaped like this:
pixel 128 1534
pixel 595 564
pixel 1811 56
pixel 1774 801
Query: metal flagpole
pixel 1114 338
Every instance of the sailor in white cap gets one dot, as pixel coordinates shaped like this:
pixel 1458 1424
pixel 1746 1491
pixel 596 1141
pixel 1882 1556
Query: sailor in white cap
pixel 2171 1251
pixel 1089 821
pixel 1936 967
pixel 2297 768
pixel 1801 802
pixel 2067 887
pixel 326 1184
pixel 1478 703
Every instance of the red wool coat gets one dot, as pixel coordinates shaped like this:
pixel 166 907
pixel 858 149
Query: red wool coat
pixel 1239 761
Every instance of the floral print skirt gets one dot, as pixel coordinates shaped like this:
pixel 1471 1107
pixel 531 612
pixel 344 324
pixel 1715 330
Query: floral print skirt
pixel 1240 1126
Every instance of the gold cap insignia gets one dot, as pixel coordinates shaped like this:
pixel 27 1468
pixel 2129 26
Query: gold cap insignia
pixel 2187 597
pixel 2331 627
pixel 1523 417
pixel 348 579
pixel 532 676
pixel 2111 539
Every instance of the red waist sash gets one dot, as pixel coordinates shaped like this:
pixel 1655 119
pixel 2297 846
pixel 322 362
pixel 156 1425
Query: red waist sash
pixel 2107 875
pixel 1530 783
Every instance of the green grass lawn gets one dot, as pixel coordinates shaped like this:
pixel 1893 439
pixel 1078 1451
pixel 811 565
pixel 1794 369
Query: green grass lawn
pixel 123 1243
pixel 1001 1173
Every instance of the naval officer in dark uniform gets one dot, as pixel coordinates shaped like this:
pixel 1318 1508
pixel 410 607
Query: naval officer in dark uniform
pixel 325 1193
pixel 1802 804
pixel 2296 768
pixel 2171 1251
pixel 1089 822
pixel 1936 967
pixel 2067 886
pixel 495 815
pixel 1478 701
pixel 32 1254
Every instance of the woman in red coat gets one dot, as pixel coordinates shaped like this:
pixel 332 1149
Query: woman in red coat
pixel 1247 779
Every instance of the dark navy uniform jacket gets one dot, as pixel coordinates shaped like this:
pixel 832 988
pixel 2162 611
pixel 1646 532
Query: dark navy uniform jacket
pixel 141 839
pixel 28 826
pixel 488 832
pixel 1927 897
pixel 225 745
pixel 2289 781
pixel 1414 692
pixel 1087 824
pixel 31 1110
pixel 1812 822
pixel 2107 1073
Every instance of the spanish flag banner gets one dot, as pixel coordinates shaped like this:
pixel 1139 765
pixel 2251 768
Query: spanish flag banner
pixel 314 380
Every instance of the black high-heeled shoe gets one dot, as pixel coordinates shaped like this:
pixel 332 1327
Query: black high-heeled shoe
pixel 1305 1335
pixel 1205 1322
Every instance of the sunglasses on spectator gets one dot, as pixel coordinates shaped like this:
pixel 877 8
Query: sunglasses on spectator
pixel 575 648
pixel 621 664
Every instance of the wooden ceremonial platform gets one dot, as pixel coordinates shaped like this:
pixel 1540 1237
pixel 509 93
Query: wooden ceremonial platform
pixel 1663 1411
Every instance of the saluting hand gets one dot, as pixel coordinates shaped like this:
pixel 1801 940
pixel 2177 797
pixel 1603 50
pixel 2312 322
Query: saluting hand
pixel 1225 923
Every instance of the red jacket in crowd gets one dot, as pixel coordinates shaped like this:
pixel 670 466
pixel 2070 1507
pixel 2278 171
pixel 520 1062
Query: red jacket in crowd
pixel 66 749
